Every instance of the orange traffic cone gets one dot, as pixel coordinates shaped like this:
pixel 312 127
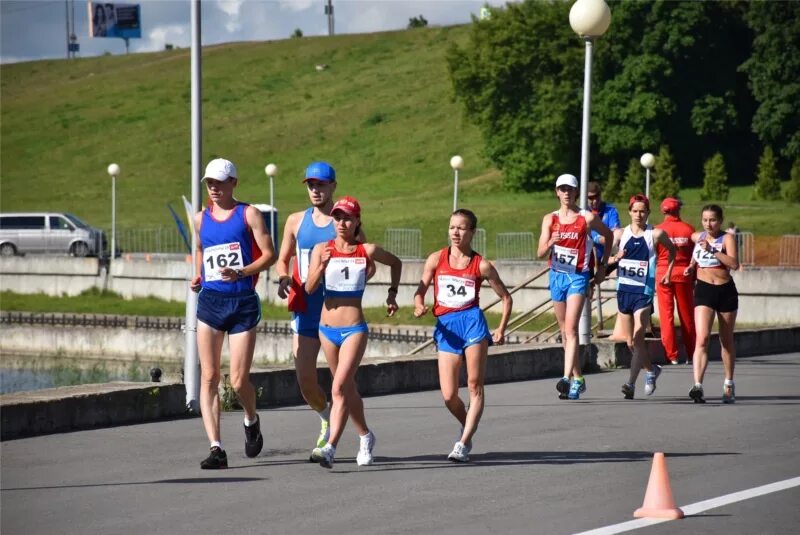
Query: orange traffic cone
pixel 658 501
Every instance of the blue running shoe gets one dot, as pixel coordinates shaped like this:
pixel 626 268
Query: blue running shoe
pixel 575 389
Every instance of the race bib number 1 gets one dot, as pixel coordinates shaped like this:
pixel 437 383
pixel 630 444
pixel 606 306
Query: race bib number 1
pixel 346 274
pixel 564 259
pixel 455 292
pixel 221 256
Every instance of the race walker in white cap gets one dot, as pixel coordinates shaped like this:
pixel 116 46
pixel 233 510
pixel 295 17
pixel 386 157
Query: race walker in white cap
pixel 567 241
pixel 233 247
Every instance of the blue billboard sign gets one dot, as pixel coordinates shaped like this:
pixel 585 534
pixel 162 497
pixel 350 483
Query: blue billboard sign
pixel 114 20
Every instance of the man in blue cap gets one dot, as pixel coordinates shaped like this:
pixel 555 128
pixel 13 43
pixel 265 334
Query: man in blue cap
pixel 303 230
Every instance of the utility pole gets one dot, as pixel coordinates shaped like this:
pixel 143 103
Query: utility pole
pixel 329 13
pixel 72 39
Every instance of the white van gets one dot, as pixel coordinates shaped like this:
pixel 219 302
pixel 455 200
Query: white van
pixel 48 232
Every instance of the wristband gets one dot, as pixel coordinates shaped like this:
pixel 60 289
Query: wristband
pixel 282 277
pixel 392 289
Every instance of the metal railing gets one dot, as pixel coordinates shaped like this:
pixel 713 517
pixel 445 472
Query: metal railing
pixel 789 250
pixel 405 243
pixel 515 246
pixel 745 246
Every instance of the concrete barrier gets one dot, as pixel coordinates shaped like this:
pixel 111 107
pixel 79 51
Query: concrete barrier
pixel 81 407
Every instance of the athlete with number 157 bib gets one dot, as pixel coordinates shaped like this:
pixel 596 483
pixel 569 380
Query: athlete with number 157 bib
pixel 566 240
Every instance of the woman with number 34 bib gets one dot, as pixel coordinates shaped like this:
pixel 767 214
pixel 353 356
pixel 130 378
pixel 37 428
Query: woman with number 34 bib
pixel 457 272
pixel 341 266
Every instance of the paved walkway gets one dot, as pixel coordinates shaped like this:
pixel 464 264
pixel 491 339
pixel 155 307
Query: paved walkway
pixel 540 466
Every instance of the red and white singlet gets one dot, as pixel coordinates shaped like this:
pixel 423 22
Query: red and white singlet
pixel 572 252
pixel 456 289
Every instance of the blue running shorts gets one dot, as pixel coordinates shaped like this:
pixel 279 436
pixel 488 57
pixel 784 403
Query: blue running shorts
pixel 306 323
pixel 230 313
pixel 456 331
pixel 630 302
pixel 337 335
pixel 562 285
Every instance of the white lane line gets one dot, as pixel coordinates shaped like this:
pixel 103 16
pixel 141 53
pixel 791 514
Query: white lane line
pixel 698 507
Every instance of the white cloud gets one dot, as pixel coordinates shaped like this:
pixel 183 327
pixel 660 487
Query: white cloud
pixel 295 5
pixel 231 7
pixel 159 36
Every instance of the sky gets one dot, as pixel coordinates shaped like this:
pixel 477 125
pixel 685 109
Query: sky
pixel 37 29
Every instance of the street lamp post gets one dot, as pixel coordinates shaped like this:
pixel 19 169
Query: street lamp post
pixel 113 172
pixel 647 161
pixel 456 162
pixel 589 19
pixel 271 170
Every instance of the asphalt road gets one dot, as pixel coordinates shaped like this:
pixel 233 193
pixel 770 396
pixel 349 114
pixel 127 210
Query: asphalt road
pixel 539 465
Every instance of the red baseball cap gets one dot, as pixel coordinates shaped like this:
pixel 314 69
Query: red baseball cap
pixel 670 205
pixel 348 205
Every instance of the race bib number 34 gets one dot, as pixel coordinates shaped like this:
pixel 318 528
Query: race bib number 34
pixel 221 256
pixel 455 292
pixel 564 259
pixel 346 274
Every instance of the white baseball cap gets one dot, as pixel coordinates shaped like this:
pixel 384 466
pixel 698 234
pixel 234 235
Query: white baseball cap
pixel 220 169
pixel 567 180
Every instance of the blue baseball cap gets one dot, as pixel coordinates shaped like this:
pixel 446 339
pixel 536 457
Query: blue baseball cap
pixel 320 171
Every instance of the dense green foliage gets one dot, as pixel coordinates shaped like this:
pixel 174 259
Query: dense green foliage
pixel 715 181
pixel 768 184
pixel 634 181
pixel 612 189
pixel 666 183
pixel 665 73
pixel 773 73
pixel 792 193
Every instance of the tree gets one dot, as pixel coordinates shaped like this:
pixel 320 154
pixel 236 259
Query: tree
pixel 715 180
pixel 518 78
pixel 417 22
pixel 772 70
pixel 792 193
pixel 297 34
pixel 666 182
pixel 611 189
pixel 634 181
pixel 768 184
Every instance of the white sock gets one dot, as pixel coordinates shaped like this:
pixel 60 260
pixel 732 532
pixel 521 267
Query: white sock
pixel 728 382
pixel 249 422
pixel 217 444
pixel 330 447
pixel 325 414
pixel 699 385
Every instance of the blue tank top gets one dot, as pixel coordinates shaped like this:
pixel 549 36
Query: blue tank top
pixel 637 269
pixel 227 243
pixel 309 235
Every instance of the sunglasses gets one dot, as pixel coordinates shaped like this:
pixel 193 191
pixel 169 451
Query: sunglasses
pixel 565 188
pixel 592 197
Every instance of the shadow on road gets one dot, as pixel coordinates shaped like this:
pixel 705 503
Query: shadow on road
pixel 184 480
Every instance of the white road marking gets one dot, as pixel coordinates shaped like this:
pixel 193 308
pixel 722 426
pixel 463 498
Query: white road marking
pixel 699 507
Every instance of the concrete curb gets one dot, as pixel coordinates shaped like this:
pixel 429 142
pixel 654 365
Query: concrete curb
pixel 87 406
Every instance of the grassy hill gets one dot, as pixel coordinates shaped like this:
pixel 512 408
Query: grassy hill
pixel 382 113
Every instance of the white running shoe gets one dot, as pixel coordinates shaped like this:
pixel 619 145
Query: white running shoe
pixel 650 380
pixel 364 457
pixel 460 453
pixel 327 453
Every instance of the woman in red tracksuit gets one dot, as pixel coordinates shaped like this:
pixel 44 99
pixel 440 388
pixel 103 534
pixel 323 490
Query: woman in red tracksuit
pixel 680 287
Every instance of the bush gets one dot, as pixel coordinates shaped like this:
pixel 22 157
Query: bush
pixel 634 181
pixel 768 184
pixel 715 180
pixel 417 22
pixel 666 182
pixel 297 34
pixel 611 189
pixel 792 193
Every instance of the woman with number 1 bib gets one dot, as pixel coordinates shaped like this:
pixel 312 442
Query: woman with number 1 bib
pixel 457 272
pixel 566 240
pixel 341 265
